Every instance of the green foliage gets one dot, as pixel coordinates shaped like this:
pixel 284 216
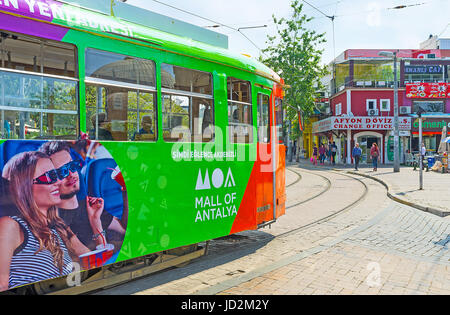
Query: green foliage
pixel 293 53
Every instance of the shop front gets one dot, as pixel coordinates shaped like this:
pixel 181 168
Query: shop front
pixel 366 139
pixel 365 131
pixel 432 126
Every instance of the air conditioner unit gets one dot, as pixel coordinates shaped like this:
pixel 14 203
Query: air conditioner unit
pixel 405 110
pixel 372 112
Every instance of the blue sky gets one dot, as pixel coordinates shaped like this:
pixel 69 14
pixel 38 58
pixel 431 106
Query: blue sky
pixel 358 24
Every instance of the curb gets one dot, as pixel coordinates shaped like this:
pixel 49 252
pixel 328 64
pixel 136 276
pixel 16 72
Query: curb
pixel 435 211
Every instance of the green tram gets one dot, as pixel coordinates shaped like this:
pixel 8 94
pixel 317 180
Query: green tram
pixel 124 145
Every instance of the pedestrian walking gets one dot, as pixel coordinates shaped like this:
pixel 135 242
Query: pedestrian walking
pixel 356 153
pixel 374 153
pixel 322 154
pixel 328 152
pixel 333 152
pixel 315 152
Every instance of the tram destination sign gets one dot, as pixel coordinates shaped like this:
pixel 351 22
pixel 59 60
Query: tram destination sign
pixel 360 123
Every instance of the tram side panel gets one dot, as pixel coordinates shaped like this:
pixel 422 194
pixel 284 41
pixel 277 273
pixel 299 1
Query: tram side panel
pixel 281 181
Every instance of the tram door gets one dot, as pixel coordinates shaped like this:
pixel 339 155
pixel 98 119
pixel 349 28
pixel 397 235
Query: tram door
pixel 264 186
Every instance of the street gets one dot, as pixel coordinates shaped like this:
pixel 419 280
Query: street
pixel 341 235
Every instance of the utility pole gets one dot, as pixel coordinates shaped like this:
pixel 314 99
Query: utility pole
pixel 393 55
pixel 420 152
pixel 289 151
pixel 396 129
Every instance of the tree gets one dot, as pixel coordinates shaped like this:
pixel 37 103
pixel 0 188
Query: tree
pixel 294 54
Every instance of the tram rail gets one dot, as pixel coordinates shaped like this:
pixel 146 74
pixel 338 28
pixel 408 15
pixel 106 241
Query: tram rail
pixel 256 244
pixel 338 212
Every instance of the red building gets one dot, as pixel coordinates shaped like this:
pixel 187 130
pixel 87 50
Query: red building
pixel 362 101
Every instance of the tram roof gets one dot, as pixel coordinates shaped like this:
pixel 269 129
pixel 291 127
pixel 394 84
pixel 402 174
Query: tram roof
pixel 154 20
pixel 129 22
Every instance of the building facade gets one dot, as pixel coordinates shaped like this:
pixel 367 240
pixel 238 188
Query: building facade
pixel 362 102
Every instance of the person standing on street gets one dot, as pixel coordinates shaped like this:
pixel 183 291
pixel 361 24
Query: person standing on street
pixel 322 154
pixel 315 152
pixel 333 153
pixel 374 153
pixel 423 152
pixel 356 153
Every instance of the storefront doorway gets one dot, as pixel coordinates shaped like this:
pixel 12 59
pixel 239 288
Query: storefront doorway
pixel 365 143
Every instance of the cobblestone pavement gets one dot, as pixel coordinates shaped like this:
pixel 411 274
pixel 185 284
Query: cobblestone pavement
pixel 404 185
pixel 322 246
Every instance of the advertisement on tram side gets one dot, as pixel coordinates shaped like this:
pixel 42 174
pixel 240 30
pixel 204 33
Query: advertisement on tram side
pixel 67 206
pixel 61 203
pixel 75 205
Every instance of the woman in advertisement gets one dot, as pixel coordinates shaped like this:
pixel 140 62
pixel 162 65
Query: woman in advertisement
pixel 36 244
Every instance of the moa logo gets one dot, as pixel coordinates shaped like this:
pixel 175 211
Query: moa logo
pixel 217 179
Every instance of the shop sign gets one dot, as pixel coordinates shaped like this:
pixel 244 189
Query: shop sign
pixel 321 125
pixel 431 124
pixel 427 90
pixel 422 69
pixel 360 123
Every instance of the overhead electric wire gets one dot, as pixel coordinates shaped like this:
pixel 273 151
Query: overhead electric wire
pixel 212 21
pixel 444 30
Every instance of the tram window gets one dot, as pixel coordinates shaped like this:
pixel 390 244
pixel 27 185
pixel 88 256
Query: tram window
pixel 263 118
pixel 183 79
pixel 34 103
pixel 239 111
pixel 25 53
pixel 120 68
pixel 120 97
pixel 120 114
pixel 20 53
pixel 58 59
pixel 187 104
pixel 279 119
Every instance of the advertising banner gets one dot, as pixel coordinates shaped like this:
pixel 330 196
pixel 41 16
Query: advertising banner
pixel 69 200
pixel 427 90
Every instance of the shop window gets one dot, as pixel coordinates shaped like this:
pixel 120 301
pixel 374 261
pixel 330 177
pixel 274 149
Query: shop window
pixel 429 106
pixel 385 105
pixel 338 110
pixel 371 104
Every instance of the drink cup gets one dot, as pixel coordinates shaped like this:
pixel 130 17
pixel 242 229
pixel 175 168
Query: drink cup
pixel 118 177
pixel 96 258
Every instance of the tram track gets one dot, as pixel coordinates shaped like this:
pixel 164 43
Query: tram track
pixel 299 178
pixel 327 187
pixel 224 249
pixel 332 215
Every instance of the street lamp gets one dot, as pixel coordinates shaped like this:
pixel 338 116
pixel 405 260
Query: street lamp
pixel 393 55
